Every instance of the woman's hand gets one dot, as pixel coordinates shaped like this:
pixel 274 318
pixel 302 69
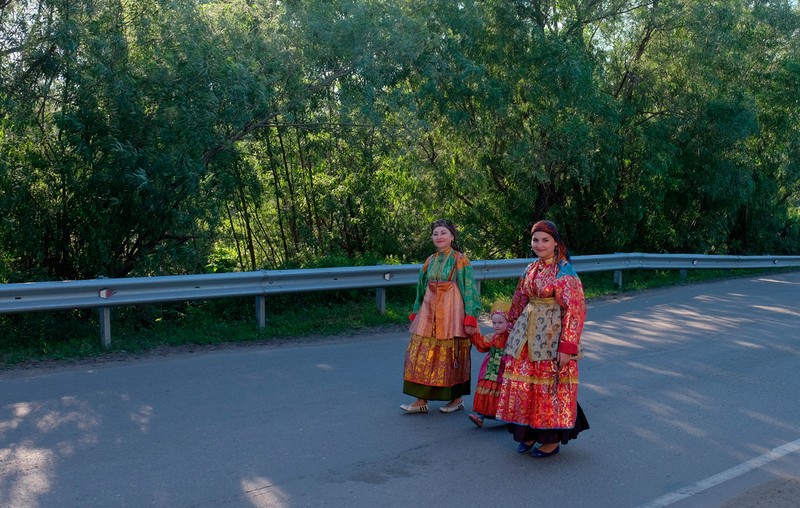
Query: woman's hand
pixel 563 359
pixel 471 330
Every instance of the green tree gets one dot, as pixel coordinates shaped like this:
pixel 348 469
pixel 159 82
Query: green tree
pixel 110 107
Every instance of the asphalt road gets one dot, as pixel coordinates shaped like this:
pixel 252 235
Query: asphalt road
pixel 691 394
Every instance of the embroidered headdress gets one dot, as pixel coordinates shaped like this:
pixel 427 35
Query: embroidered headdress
pixel 549 227
pixel 501 307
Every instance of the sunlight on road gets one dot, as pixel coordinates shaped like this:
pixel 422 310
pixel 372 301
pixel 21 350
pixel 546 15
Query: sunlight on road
pixel 660 372
pixel 263 494
pixel 18 413
pixel 779 310
pixel 775 281
pixel 748 344
pixel 597 338
pixel 25 474
pixel 142 417
pixel 26 468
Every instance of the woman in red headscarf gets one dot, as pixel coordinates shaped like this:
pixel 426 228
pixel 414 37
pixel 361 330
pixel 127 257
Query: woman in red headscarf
pixel 539 391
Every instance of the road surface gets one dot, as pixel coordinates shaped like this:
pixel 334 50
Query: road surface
pixel 691 393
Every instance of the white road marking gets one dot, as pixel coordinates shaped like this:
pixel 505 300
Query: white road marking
pixel 712 481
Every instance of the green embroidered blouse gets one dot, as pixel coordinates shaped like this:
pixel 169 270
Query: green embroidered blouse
pixel 437 268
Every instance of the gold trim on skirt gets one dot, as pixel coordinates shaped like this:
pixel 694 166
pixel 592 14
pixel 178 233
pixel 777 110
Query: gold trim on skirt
pixel 437 362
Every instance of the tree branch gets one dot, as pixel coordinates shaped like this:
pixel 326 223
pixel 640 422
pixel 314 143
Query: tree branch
pixel 268 119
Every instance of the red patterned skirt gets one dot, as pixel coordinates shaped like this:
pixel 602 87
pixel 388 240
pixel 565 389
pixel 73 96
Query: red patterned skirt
pixel 532 395
pixel 485 399
pixel 490 377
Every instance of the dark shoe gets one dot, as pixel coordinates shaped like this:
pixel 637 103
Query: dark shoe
pixel 538 454
pixel 525 448
pixel 476 419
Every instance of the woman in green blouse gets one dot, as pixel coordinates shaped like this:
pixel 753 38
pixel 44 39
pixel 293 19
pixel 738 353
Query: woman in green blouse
pixel 445 314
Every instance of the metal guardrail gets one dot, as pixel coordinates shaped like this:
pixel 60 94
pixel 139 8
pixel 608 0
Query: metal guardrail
pixel 106 293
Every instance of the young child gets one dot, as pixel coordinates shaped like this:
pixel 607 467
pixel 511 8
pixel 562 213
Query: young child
pixel 484 404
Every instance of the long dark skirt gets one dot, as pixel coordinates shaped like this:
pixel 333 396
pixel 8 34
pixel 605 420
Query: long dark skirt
pixel 524 434
pixel 436 392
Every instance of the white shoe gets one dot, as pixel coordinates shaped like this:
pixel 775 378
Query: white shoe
pixel 452 409
pixel 409 408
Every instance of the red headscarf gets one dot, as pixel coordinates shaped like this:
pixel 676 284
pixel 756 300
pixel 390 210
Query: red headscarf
pixel 549 227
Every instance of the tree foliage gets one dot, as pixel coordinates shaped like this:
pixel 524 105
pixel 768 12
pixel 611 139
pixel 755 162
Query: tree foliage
pixel 178 136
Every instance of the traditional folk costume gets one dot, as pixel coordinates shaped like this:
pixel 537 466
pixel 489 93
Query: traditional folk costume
pixel 547 312
pixel 437 364
pixel 490 375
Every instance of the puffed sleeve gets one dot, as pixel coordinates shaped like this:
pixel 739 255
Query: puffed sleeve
pixel 520 300
pixel 569 295
pixel 422 286
pixel 481 342
pixel 469 291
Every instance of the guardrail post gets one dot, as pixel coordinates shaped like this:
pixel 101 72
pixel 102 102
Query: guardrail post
pixel 380 300
pixel 618 278
pixel 105 327
pixel 261 311
pixel 380 293
pixel 683 274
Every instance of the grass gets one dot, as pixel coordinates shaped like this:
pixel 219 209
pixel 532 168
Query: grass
pixel 71 335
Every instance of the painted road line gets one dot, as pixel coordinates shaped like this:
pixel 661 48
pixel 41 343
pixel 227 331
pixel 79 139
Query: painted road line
pixel 712 481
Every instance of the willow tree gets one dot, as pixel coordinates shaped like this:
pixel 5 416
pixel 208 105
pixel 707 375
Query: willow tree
pixel 770 222
pixel 690 79
pixel 178 136
pixel 318 184
pixel 518 126
pixel 109 110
